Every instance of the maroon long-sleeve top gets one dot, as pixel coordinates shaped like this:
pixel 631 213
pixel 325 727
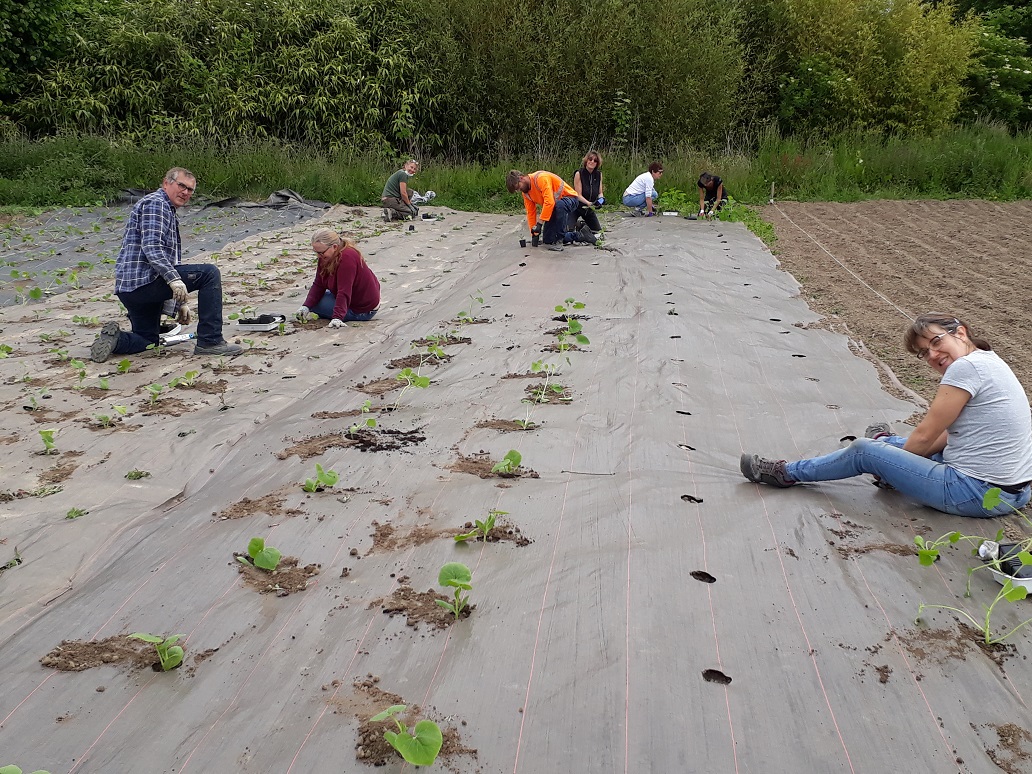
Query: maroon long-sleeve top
pixel 353 285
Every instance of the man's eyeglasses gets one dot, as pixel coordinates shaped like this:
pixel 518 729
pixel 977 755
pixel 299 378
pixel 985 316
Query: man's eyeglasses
pixel 184 187
pixel 933 343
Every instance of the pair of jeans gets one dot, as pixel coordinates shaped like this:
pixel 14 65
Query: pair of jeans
pixel 144 307
pixel 325 309
pixel 556 226
pixel 590 218
pixel 928 480
pixel 398 207
pixel 638 200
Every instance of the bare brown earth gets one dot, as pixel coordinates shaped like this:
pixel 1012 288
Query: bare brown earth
pixel 968 258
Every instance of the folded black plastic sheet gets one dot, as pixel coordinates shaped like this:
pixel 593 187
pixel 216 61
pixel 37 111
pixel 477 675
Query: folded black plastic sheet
pixel 587 649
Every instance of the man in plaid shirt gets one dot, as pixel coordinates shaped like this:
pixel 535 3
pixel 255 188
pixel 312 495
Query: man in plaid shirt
pixel 149 277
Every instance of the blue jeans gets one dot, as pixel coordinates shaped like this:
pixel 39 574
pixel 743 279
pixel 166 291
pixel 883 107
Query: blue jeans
pixel 144 308
pixel 555 226
pixel 638 200
pixel 325 309
pixel 928 480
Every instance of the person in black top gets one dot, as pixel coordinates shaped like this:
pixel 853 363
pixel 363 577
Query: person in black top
pixel 587 182
pixel 712 195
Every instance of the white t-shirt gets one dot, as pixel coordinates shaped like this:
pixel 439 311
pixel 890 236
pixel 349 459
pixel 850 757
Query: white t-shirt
pixel 991 440
pixel 642 184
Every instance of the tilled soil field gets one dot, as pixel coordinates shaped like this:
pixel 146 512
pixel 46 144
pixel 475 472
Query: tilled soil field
pixel 868 265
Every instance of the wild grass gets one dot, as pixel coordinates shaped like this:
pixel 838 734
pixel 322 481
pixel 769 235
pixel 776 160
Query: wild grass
pixel 978 161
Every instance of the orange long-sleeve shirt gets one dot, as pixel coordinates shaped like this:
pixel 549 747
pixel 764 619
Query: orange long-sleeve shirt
pixel 545 188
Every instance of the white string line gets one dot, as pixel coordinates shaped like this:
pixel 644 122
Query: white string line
pixel 836 260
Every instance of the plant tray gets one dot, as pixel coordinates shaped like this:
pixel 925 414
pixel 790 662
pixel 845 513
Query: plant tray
pixel 169 329
pixel 265 322
pixel 1002 578
pixel 675 213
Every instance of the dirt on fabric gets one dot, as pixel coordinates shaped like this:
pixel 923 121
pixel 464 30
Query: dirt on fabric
pixel 337 414
pixel 288 578
pixel 211 388
pixel 480 464
pixel 378 386
pixel 380 440
pixel 447 341
pixel 271 504
pixel 367 701
pixel 499 533
pixel 968 258
pixel 505 425
pixel 524 375
pixel 315 445
pixel 419 607
pixel 58 473
pixel 78 655
pixel 539 394
pixel 1013 758
pixel 171 407
pixel 889 548
pixel 417 361
pixel 387 537
pixel 945 644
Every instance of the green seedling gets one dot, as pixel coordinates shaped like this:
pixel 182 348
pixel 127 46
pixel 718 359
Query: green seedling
pixel 928 553
pixel 370 422
pixel 86 322
pixel 124 365
pixel 155 391
pixel 5 350
pixel 323 478
pixel 457 576
pixel 104 383
pixel 510 462
pixel 121 410
pixel 483 527
pixel 49 446
pixel 186 379
pixel 411 379
pixel 15 770
pixel 262 556
pixel 169 654
pixel 136 475
pixel 104 420
pixel 525 424
pixel 62 354
pixel 80 369
pixel 74 513
pixel 465 316
pixel 419 748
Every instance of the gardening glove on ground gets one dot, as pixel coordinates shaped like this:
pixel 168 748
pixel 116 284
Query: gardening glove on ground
pixel 335 323
pixel 302 313
pixel 179 292
pixel 184 316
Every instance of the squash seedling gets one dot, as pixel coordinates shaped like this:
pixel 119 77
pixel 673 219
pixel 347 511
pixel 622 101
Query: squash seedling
pixel 411 379
pixel 510 462
pixel 323 478
pixel 169 654
pixel 186 379
pixel 49 446
pixel 15 770
pixel 928 552
pixel 155 391
pixel 457 576
pixel 124 365
pixel 136 475
pixel 465 317
pixel 420 748
pixel 80 369
pixel 262 556
pixel 483 527
pixel 74 513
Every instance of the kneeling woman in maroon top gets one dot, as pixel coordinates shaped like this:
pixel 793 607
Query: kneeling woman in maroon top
pixel 345 288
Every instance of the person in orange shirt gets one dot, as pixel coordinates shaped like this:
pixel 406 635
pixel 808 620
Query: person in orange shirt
pixel 557 200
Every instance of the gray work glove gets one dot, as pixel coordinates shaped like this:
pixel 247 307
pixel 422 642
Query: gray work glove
pixel 302 314
pixel 183 316
pixel 179 292
pixel 335 323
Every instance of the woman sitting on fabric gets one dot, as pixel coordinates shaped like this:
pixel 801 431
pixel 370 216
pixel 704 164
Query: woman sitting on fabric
pixel 977 434
pixel 345 288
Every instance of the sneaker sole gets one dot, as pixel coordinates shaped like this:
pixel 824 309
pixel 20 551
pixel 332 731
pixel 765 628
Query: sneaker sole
pixel 105 342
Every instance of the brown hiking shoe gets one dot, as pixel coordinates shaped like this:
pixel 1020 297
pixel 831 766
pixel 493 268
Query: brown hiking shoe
pixel 764 471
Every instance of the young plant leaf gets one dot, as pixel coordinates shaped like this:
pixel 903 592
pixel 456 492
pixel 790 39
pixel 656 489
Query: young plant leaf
pixel 991 499
pixel 455 574
pixel 391 711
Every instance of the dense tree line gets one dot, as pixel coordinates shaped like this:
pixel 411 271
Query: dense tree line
pixel 478 77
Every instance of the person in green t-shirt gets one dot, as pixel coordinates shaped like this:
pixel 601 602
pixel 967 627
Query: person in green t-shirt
pixel 396 196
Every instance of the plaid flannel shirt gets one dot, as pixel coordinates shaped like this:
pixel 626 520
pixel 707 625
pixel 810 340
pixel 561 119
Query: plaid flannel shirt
pixel 151 247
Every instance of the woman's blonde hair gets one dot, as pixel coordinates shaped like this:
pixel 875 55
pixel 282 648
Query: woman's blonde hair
pixel 330 238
